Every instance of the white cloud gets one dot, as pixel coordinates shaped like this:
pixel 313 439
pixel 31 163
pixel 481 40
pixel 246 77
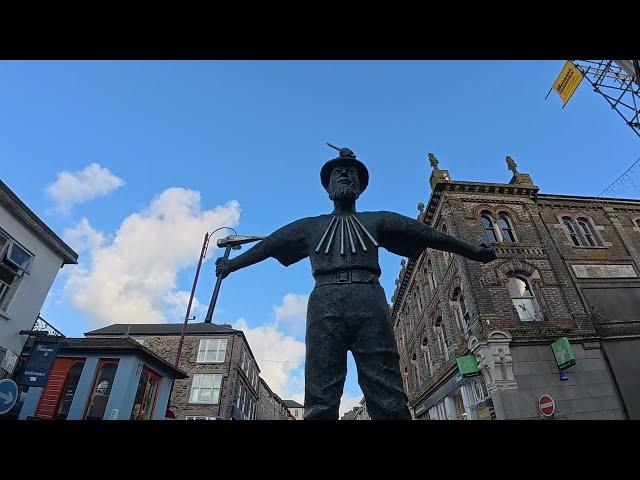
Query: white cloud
pixel 292 312
pixel 91 182
pixel 132 278
pixel 83 237
pixel 285 375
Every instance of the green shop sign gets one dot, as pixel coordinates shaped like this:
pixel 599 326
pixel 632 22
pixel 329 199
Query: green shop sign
pixel 468 365
pixel 563 353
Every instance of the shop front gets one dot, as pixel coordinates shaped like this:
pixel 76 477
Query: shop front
pixel 102 379
pixel 458 398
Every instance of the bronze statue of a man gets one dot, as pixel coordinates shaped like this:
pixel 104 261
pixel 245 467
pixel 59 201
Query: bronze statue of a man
pixel 348 309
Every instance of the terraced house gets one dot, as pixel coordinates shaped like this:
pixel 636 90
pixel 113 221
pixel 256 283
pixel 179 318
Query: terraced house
pixel 567 267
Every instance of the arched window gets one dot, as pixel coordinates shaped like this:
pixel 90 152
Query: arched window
pixel 505 229
pixel 418 298
pixel 405 378
pixel 69 390
pixel 591 239
pixel 489 228
pixel 101 390
pixel 441 338
pixel 461 312
pixel 432 277
pixel 571 230
pixel 447 255
pixel 524 300
pixel 426 353
pixel 414 363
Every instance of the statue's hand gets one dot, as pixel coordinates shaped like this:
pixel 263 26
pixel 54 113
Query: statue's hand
pixel 485 254
pixel 222 267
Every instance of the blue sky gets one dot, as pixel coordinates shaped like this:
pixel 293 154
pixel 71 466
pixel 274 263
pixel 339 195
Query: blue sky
pixel 163 132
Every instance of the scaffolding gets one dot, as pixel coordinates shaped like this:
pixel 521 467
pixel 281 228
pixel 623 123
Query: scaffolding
pixel 617 81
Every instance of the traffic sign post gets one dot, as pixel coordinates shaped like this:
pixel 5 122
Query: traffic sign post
pixel 546 405
pixel 8 395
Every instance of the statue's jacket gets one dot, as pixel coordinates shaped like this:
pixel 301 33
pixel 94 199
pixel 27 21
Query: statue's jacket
pixel 348 243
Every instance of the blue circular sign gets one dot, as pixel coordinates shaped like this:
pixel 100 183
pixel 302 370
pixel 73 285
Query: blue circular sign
pixel 8 395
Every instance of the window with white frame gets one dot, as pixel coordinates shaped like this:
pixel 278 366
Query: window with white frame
pixel 523 299
pixel 426 353
pixel 212 350
pixel 239 395
pixel 441 338
pixel 477 401
pixel 432 277
pixel 14 262
pixel 461 312
pixel 244 359
pixel 416 372
pixel 205 388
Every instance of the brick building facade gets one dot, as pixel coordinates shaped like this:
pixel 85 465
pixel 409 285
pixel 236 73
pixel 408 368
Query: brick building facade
pixel 223 378
pixel 271 406
pixel 566 267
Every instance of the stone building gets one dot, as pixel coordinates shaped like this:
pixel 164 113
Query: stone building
pixel 296 409
pixel 31 255
pixel 567 267
pixel 271 406
pixel 223 374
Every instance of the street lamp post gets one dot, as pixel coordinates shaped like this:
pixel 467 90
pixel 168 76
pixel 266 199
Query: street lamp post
pixel 203 253
pixel 231 242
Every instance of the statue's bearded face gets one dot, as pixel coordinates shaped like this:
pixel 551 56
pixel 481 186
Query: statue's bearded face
pixel 344 183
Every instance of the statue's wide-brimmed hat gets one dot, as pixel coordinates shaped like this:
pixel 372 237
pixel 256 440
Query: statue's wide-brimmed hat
pixel 346 159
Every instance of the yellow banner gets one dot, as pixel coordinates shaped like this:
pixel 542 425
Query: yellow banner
pixel 567 82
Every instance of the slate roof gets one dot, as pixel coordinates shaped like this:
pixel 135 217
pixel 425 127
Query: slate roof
pixel 161 329
pixel 292 404
pixel 17 207
pixel 112 346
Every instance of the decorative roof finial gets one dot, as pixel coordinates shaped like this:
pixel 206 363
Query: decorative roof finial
pixel 433 160
pixel 511 164
pixel 403 263
pixel 421 207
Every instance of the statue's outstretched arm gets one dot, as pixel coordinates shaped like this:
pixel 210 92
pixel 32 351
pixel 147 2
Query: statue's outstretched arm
pixel 255 254
pixel 287 245
pixel 448 243
pixel 408 237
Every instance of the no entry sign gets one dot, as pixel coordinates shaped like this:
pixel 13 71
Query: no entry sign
pixel 546 405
